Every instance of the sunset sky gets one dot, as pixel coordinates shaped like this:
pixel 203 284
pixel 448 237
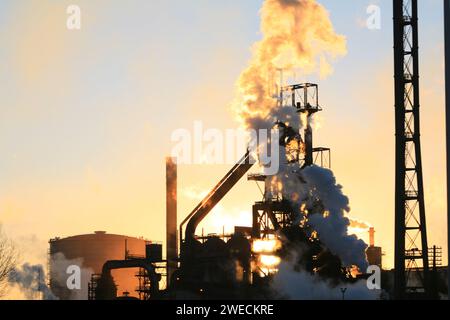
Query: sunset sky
pixel 86 115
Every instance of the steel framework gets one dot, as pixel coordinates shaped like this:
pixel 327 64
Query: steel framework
pixel 411 249
pixel 275 212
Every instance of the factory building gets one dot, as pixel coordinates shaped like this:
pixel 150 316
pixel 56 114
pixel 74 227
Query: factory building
pixel 89 252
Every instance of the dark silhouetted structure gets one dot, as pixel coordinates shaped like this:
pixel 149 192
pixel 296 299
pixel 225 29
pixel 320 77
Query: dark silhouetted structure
pixel 171 217
pixel 410 227
pixel 447 117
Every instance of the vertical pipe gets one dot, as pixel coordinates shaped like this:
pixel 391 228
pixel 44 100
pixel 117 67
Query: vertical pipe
pixel 293 99
pixel 171 217
pixel 305 96
pixel 372 236
pixel 256 226
pixel 308 142
pixel 281 87
pixel 447 119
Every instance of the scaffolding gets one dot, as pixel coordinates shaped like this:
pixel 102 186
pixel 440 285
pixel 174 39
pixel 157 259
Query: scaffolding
pixel 92 286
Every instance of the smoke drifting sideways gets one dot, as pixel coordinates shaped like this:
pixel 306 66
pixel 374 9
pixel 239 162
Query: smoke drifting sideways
pixel 358 224
pixel 31 281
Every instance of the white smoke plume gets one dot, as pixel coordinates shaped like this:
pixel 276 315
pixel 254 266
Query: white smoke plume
pixel 297 35
pixel 302 187
pixel 31 280
pixel 332 225
pixel 291 283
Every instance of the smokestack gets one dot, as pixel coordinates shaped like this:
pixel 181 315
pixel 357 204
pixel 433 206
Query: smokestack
pixel 171 217
pixel 372 236
pixel 308 144
pixel 447 117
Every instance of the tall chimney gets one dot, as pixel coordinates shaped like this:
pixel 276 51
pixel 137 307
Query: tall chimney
pixel 171 217
pixel 372 236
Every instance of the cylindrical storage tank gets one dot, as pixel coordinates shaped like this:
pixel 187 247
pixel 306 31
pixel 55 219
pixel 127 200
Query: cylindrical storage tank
pixel 73 260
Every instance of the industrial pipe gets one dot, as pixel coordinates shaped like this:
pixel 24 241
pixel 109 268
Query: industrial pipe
pixel 219 191
pixel 171 218
pixel 134 263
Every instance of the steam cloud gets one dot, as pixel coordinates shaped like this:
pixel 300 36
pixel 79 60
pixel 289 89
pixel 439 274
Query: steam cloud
pixel 333 226
pixel 297 34
pixel 312 287
pixel 31 280
pixel 304 187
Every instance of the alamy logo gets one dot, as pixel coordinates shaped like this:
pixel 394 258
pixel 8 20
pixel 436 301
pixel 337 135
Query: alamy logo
pixel 74 17
pixel 374 280
pixel 215 146
pixel 74 280
pixel 373 21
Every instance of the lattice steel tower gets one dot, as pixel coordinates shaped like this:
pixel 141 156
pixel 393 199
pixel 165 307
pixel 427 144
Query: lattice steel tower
pixel 411 249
